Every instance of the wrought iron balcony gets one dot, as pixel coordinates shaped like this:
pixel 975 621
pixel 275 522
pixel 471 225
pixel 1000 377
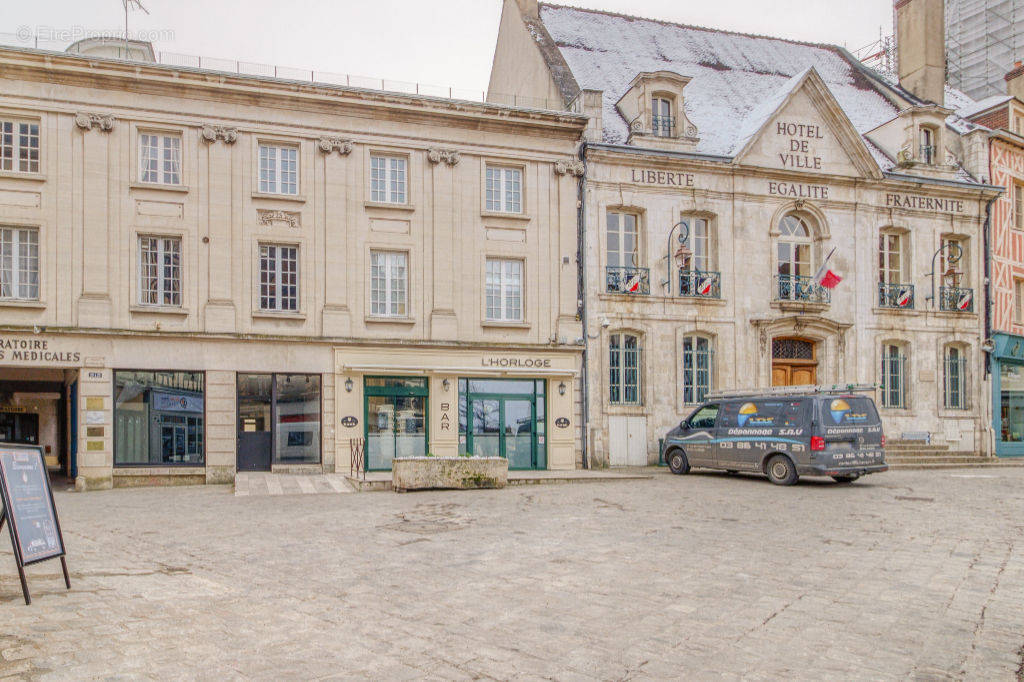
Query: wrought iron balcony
pixel 899 296
pixel 700 284
pixel 956 299
pixel 800 289
pixel 927 154
pixel 663 126
pixel 634 281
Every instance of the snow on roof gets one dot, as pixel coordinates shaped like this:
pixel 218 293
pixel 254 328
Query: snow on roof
pixel 732 74
pixel 968 110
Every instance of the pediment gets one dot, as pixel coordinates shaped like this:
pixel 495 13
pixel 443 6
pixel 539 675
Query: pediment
pixel 803 129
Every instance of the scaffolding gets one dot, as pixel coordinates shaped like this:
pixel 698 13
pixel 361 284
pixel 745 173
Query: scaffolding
pixel 983 40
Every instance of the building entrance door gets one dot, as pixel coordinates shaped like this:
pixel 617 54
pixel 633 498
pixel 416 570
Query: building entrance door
pixel 255 435
pixel 395 414
pixel 504 418
pixel 794 362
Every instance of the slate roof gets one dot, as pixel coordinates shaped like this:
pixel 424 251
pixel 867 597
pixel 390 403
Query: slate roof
pixel 732 73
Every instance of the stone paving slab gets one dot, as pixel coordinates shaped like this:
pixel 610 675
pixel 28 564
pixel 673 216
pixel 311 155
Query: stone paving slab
pixel 254 483
pixel 903 575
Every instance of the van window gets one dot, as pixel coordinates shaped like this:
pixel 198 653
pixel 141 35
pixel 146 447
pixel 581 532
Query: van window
pixel 704 418
pixel 765 413
pixel 849 411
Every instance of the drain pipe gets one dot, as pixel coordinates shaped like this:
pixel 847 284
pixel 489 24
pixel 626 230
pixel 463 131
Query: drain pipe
pixel 987 238
pixel 581 298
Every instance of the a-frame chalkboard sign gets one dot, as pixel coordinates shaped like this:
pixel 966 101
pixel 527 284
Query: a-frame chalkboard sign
pixel 29 511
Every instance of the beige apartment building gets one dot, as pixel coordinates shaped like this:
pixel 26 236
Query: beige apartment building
pixel 205 272
pixel 764 156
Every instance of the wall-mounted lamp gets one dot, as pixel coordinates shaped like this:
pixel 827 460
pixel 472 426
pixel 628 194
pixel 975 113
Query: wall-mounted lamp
pixel 447 384
pixel 349 384
pixel 561 388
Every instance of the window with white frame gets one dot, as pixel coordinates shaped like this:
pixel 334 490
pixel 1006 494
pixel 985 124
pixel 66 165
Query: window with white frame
pixel 504 189
pixel 160 271
pixel 928 151
pixel 624 357
pixel 697 368
pixel 954 394
pixel 19 146
pixel 890 258
pixel 19 263
pixel 389 283
pixel 279 169
pixel 279 277
pixel 160 158
pixel 504 290
pixel 1018 206
pixel 388 179
pixel 662 121
pixel 894 376
pixel 1018 301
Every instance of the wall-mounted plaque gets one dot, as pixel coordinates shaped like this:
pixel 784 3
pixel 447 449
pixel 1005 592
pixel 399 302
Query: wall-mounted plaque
pixel 349 421
pixel 562 423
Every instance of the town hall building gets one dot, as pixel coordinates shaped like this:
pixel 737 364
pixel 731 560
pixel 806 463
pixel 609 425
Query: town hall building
pixel 721 171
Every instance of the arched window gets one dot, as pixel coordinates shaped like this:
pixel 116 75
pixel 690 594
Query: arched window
pixel 698 358
pixel 624 357
pixel 894 376
pixel 662 122
pixel 954 393
pixel 793 253
pixel 927 145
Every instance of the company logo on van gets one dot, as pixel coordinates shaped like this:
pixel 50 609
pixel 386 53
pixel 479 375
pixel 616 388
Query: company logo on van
pixel 748 416
pixel 841 410
pixel 747 410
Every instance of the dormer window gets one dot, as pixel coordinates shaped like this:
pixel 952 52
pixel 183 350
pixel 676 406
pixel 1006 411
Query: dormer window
pixel 927 154
pixel 662 121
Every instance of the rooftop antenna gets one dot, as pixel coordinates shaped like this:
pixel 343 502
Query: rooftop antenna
pixel 130 4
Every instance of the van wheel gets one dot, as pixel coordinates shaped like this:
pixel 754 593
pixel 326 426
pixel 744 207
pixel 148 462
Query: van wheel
pixel 846 478
pixel 677 462
pixel 781 470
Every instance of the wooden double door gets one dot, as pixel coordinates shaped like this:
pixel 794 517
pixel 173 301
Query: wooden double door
pixel 794 362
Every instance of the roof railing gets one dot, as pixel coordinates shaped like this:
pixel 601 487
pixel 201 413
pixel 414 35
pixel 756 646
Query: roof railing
pixel 311 76
pixel 834 389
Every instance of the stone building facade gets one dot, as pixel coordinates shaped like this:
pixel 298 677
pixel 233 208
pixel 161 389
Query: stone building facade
pixel 765 156
pixel 204 272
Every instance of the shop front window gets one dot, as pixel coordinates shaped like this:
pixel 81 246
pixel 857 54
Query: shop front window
pixel 1011 403
pixel 396 419
pixel 159 418
pixel 504 418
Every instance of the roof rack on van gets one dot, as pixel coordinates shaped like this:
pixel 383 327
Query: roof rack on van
pixel 790 390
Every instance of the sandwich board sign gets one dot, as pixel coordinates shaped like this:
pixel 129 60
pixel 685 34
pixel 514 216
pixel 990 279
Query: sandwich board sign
pixel 29 511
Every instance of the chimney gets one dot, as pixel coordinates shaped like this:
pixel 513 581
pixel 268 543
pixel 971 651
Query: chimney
pixel 528 8
pixel 1014 82
pixel 921 48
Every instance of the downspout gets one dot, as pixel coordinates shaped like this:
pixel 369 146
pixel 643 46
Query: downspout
pixel 987 238
pixel 581 298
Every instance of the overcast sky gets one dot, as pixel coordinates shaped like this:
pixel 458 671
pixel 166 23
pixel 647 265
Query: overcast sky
pixel 437 42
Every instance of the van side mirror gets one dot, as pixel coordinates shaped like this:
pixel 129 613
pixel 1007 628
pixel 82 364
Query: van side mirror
pixel 684 425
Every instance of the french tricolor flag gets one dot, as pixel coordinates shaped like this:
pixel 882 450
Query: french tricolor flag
pixel 826 275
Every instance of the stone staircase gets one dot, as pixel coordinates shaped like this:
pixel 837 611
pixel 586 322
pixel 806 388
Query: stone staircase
pixel 905 454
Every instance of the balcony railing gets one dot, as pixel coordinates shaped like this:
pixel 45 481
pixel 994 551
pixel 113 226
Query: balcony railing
pixel 800 289
pixel 899 296
pixel 663 126
pixel 634 281
pixel 700 284
pixel 927 154
pixel 956 299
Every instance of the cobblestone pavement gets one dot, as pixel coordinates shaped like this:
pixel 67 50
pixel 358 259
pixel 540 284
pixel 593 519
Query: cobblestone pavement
pixel 901 575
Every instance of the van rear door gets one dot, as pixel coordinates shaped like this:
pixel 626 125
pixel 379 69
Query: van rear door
pixel 851 429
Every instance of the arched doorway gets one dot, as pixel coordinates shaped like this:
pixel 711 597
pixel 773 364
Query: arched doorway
pixel 794 361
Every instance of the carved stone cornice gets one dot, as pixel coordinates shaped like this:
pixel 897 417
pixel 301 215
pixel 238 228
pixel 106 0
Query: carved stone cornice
pixel 211 134
pixel 88 121
pixel 449 156
pixel 271 217
pixel 573 167
pixel 335 144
